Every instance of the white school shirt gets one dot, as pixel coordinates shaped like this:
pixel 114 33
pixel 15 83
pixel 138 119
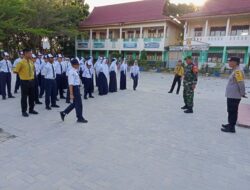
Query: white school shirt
pixel 87 73
pixel 135 70
pixel 49 70
pixel 17 61
pixel 97 66
pixel 5 66
pixel 68 67
pixel 104 68
pixel 124 67
pixel 59 67
pixel 42 64
pixel 73 77
pixel 113 67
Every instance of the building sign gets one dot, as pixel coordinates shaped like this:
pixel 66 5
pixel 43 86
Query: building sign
pixel 152 45
pixel 99 45
pixel 129 45
pixel 82 44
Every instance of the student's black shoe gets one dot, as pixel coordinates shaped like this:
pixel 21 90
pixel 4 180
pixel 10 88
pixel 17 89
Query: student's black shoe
pixel 228 130
pixel 85 98
pixel 225 126
pixel 38 102
pixel 55 106
pixel 184 107
pixel 33 112
pixel 170 92
pixel 177 93
pixel 62 114
pixel 25 114
pixel 57 99
pixel 11 96
pixel 67 102
pixel 15 92
pixel 189 111
pixel 4 98
pixel 62 98
pixel 91 97
pixel 82 120
pixel 48 108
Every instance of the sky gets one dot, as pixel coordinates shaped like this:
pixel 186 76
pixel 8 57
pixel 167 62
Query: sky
pixel 95 3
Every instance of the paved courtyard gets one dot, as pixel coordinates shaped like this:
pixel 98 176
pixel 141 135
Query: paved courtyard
pixel 134 141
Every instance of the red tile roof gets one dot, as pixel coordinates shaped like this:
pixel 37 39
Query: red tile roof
pixel 137 11
pixel 221 7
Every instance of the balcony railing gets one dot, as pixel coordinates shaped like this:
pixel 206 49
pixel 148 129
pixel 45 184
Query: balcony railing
pixel 137 44
pixel 223 40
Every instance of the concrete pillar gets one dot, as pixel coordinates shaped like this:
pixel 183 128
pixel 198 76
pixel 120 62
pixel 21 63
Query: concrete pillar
pixel 228 27
pixel 224 57
pixel 91 41
pixel 107 36
pixel 141 32
pixel 120 33
pixel 185 30
pixel 206 28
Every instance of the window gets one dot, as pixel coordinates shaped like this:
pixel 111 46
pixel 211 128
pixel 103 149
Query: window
pixel 214 57
pixel 102 35
pixel 160 33
pixel 198 32
pixel 152 33
pixel 240 30
pixel 94 35
pixel 137 34
pixel 130 34
pixel 218 31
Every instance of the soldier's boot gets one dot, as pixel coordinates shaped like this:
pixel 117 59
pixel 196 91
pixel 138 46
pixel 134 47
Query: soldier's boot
pixel 184 107
pixel 229 129
pixel 189 110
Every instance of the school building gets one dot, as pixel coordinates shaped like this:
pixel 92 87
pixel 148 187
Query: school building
pixel 219 30
pixel 129 28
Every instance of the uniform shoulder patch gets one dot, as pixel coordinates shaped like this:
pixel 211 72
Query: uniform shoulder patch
pixel 195 69
pixel 239 76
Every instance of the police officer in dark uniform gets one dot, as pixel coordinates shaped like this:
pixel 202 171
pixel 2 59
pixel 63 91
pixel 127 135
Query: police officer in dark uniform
pixel 234 92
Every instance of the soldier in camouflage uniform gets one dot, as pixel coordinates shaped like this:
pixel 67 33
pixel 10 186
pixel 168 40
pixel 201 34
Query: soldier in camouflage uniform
pixel 234 92
pixel 189 82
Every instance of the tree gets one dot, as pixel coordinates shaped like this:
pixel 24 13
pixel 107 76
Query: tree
pixel 177 10
pixel 25 22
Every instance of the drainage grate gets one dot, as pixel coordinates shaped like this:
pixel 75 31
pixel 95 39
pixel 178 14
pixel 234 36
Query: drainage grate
pixel 5 136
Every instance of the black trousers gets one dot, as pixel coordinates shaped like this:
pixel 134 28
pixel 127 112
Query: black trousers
pixel 77 103
pixel 50 92
pixel 36 89
pixel 177 79
pixel 17 85
pixel 27 92
pixel 232 109
pixel 42 86
pixel 5 79
pixel 123 81
pixel 102 84
pixel 59 82
pixel 135 79
pixel 87 86
pixel 112 82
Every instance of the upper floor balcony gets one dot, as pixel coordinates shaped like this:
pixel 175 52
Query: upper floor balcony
pixel 136 44
pixel 220 32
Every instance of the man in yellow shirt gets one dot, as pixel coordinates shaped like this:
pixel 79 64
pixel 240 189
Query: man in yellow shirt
pixel 179 72
pixel 25 69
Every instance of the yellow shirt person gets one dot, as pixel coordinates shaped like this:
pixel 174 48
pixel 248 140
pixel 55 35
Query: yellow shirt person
pixel 179 73
pixel 25 69
pixel 179 70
